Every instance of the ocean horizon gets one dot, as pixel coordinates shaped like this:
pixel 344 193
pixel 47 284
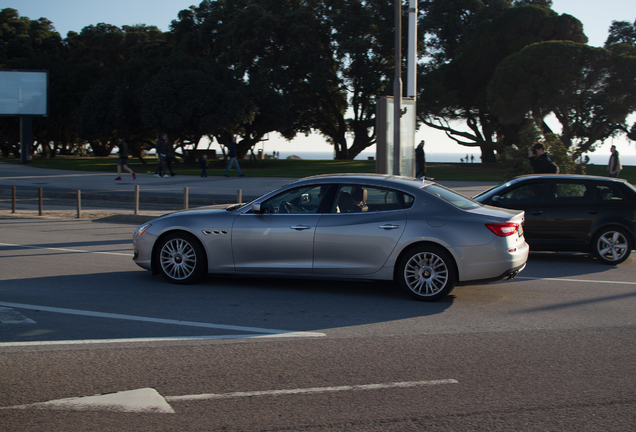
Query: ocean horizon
pixel 448 157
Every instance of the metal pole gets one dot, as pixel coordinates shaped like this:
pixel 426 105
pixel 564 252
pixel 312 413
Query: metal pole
pixel 13 194
pixel 136 199
pixel 411 81
pixel 79 203
pixel 185 198
pixel 239 196
pixel 397 87
pixel 40 201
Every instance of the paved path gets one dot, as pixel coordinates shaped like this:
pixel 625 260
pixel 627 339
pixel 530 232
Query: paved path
pixel 102 196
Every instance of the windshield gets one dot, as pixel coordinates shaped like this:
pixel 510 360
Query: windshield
pixel 451 197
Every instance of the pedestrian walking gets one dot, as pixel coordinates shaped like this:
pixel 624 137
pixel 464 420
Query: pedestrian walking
pixel 540 161
pixel 161 147
pixel 233 153
pixel 203 163
pixel 122 160
pixel 614 165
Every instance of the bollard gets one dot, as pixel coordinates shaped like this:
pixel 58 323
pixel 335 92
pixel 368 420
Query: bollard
pixel 40 201
pixel 239 196
pixel 136 199
pixel 13 193
pixel 185 198
pixel 79 204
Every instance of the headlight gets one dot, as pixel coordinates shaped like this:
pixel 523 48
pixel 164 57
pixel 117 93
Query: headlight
pixel 141 229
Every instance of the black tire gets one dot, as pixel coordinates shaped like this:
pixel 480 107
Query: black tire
pixel 612 245
pixel 427 273
pixel 180 258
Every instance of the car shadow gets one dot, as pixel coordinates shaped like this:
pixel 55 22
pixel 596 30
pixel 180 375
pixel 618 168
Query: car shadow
pixel 231 302
pixel 564 264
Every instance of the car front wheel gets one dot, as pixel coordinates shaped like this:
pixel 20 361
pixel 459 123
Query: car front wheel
pixel 426 273
pixel 180 258
pixel 612 245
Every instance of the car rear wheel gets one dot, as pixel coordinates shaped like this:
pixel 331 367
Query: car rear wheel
pixel 612 245
pixel 180 258
pixel 426 273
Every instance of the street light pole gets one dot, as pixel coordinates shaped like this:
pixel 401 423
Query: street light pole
pixel 397 87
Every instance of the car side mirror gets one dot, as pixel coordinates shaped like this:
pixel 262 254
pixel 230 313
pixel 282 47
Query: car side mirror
pixel 305 198
pixel 496 200
pixel 256 208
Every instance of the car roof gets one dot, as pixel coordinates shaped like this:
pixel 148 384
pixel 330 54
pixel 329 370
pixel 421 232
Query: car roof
pixel 565 176
pixel 386 180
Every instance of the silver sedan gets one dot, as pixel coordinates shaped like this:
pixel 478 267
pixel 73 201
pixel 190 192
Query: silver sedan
pixel 422 235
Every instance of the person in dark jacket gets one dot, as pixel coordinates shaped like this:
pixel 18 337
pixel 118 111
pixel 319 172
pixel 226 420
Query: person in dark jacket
pixel 540 161
pixel 122 160
pixel 614 166
pixel 203 163
pixel 233 153
pixel 420 160
pixel 161 146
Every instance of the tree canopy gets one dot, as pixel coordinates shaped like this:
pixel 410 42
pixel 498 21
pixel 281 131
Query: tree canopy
pixel 488 68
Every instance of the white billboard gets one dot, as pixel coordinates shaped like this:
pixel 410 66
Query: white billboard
pixel 23 93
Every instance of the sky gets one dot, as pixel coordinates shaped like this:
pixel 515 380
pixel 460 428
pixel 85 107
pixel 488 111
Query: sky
pixel 73 15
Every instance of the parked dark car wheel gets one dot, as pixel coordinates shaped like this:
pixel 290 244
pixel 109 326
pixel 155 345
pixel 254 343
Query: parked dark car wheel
pixel 180 258
pixel 612 245
pixel 427 273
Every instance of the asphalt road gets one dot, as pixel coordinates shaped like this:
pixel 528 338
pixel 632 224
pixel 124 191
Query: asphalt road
pixel 88 341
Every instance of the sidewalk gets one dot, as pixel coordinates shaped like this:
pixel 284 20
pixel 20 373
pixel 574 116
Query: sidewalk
pixel 104 198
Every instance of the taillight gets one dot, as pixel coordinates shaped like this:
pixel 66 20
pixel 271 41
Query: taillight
pixel 504 229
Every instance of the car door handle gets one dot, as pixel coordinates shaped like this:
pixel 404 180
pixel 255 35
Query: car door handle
pixel 389 226
pixel 536 212
pixel 300 227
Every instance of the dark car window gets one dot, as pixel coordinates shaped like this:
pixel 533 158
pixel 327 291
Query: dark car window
pixel 609 193
pixel 451 197
pixel 364 198
pixel 306 199
pixel 573 192
pixel 527 194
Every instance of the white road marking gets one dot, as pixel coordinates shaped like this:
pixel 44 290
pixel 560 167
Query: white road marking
pixel 578 280
pixel 258 330
pixel 408 384
pixel 9 316
pixel 65 250
pixel 148 400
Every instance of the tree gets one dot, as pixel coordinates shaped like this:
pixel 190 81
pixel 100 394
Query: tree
pixel 454 92
pixel 191 103
pixel 590 90
pixel 324 61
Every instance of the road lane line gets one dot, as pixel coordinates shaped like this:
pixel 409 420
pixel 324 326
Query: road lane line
pixel 147 319
pixel 65 250
pixel 578 280
pixel 407 384
pixel 149 400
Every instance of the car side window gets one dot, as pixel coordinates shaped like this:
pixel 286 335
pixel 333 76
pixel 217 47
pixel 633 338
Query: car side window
pixel 573 193
pixel 364 199
pixel 608 193
pixel 533 193
pixel 307 199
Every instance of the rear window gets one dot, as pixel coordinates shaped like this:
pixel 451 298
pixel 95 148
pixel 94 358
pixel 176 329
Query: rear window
pixel 451 197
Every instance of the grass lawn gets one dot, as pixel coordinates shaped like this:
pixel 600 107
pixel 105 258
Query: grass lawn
pixel 298 168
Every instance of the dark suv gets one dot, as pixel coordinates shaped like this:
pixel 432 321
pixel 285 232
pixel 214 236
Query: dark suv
pixel 572 213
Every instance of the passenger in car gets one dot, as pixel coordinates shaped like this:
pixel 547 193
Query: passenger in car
pixel 359 195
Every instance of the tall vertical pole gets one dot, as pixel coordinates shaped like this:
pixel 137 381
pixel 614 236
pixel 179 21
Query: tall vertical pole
pixel 397 87
pixel 411 81
pixel 26 139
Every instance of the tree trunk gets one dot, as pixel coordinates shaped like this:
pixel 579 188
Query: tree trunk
pixel 487 155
